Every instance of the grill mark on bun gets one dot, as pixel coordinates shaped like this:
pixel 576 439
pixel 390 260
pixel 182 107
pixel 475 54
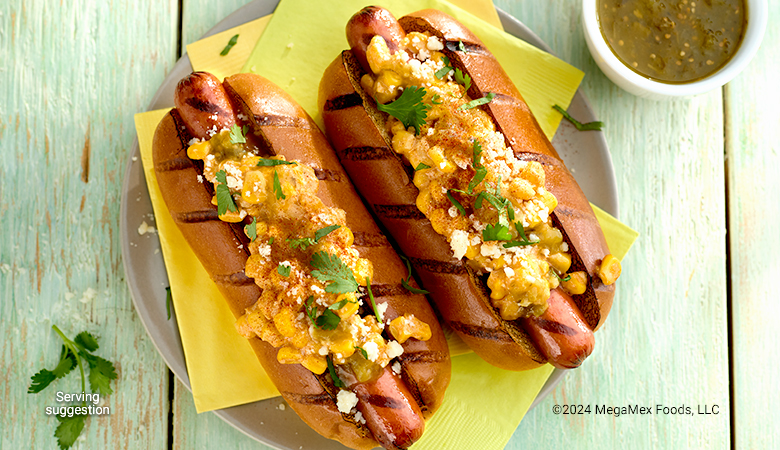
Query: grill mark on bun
pixel 481 332
pixel 328 175
pixel 174 164
pixel 273 120
pixel 545 160
pixel 399 212
pixel 197 216
pixel 386 290
pixel 432 265
pixel 233 279
pixel 363 239
pixel 343 102
pixel 426 357
pixel 308 399
pixel 366 153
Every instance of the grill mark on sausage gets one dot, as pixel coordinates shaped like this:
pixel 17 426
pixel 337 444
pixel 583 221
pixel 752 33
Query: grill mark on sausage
pixel 174 164
pixel 426 357
pixel 454 46
pixel 197 216
pixel 383 401
pixel 273 120
pixel 205 106
pixel 366 153
pixel 343 102
pixel 399 212
pixel 308 399
pixel 328 175
pixel 234 279
pixel 481 332
pixel 363 239
pixel 386 290
pixel 556 327
pixel 432 265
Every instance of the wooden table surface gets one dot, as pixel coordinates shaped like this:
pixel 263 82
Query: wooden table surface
pixel 693 323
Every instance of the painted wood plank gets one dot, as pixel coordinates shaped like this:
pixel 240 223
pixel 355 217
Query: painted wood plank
pixel 753 169
pixel 666 339
pixel 200 15
pixel 73 74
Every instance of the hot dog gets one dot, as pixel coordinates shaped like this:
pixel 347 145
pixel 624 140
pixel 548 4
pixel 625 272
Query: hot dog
pixel 267 209
pixel 430 163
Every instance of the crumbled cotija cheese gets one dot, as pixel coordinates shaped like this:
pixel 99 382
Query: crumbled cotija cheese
pixel 346 400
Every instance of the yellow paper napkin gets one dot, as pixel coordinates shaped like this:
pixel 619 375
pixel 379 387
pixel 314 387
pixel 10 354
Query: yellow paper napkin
pixel 465 421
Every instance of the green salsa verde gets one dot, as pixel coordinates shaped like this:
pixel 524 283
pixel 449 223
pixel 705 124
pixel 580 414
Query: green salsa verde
pixel 673 41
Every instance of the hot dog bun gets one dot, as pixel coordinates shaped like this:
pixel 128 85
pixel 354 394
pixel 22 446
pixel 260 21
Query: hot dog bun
pixel 359 133
pixel 281 127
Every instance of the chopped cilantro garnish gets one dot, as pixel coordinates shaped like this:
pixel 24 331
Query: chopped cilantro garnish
pixel 405 283
pixel 267 162
pixel 332 268
pixel 522 241
pixel 168 301
pixel 481 171
pixel 590 126
pixel 408 108
pixel 362 351
pixel 303 243
pixel 422 166
pixel 251 230
pixel 441 73
pixel 238 134
pixel 496 232
pixel 278 187
pixel 463 78
pixel 434 98
pixel 225 201
pixel 566 278
pixel 462 47
pixel 232 42
pixel 284 270
pixel 480 101
pixel 332 371
pixel 456 203
pixel 373 302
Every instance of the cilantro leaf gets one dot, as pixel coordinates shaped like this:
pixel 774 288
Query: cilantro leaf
pixel 480 170
pixel 456 203
pixel 232 42
pixel 566 278
pixel 462 47
pixel 225 201
pixel 69 430
pixel 251 230
pixel 405 283
pixel 332 268
pixel 322 232
pixel 310 310
pixel 590 126
pixel 441 73
pixel 480 101
pixel 328 320
pixel 362 351
pixel 332 371
pixel 41 381
pixel 66 364
pixel 278 187
pixel 284 270
pixel 87 341
pixel 523 240
pixel 101 372
pixel 434 98
pixel 267 162
pixel 496 232
pixel 168 301
pixel 422 166
pixel 463 78
pixel 238 134
pixel 408 108
pixel 373 302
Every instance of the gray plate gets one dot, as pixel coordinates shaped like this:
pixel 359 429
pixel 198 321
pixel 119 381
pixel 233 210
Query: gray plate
pixel 586 153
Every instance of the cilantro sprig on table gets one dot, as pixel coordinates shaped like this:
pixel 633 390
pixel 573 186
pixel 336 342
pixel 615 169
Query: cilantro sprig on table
pixel 408 108
pixel 74 353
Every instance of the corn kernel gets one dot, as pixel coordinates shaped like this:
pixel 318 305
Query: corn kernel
pixel 367 82
pixel 610 269
pixel 345 346
pixel 254 188
pixel 349 308
pixel 301 339
pixel 549 200
pixel 363 271
pixel 377 53
pixel 577 283
pixel 284 321
pixel 315 363
pixel 407 326
pixel 199 150
pixel 560 262
pixel 233 216
pixel 288 355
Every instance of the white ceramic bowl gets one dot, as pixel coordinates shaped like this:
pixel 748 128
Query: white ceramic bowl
pixel 641 86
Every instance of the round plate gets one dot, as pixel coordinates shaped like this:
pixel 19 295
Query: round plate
pixel 586 154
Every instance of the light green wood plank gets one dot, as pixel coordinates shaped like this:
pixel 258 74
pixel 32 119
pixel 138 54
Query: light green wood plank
pixel 666 339
pixel 205 430
pixel 73 74
pixel 200 15
pixel 753 147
